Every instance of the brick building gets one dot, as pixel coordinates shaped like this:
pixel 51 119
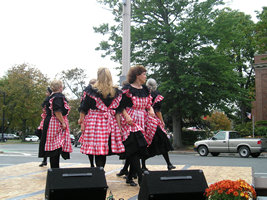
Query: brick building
pixel 259 110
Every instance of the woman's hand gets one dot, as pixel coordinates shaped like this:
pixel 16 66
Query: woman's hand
pixel 129 120
pixel 127 117
pixel 80 121
pixel 64 126
pixel 151 112
pixel 82 127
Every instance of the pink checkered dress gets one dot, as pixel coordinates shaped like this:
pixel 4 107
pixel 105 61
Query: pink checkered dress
pixel 159 98
pixel 100 124
pixel 141 120
pixel 56 136
pixel 43 115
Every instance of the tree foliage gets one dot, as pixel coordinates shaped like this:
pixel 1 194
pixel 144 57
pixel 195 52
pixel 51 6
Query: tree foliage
pixel 74 80
pixel 25 89
pixel 198 68
pixel 74 116
pixel 233 35
pixel 261 31
pixel 218 121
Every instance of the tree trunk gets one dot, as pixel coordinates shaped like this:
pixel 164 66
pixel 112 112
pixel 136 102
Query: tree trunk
pixel 24 129
pixel 243 114
pixel 177 131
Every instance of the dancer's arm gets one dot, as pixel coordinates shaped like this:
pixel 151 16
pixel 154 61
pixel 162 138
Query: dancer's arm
pixel 60 118
pixel 81 120
pixel 151 112
pixel 128 119
pixel 159 114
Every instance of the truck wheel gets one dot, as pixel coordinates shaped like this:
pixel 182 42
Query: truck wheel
pixel 214 153
pixel 244 152
pixel 203 151
pixel 255 155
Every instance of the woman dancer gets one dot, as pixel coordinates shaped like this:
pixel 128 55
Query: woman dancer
pixel 138 123
pixel 39 130
pixel 101 134
pixel 160 144
pixel 91 82
pixel 56 126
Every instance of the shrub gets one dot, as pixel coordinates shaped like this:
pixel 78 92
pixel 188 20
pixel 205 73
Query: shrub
pixel 261 131
pixel 227 189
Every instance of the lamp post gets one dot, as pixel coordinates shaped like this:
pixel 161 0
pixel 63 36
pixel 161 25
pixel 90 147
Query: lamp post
pixel 126 39
pixel 3 119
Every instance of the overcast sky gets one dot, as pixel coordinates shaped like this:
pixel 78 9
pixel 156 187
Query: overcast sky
pixel 56 35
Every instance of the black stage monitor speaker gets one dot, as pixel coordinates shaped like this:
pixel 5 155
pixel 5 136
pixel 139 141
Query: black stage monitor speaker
pixel 75 183
pixel 261 186
pixel 173 185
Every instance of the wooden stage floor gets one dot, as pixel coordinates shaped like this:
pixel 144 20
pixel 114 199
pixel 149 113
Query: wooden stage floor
pixel 27 181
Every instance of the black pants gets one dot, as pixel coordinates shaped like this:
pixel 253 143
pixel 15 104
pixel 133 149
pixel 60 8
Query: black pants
pixel 134 167
pixel 54 161
pixel 100 160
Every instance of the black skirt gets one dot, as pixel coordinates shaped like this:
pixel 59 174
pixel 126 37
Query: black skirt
pixel 43 137
pixel 160 144
pixel 134 144
pixel 57 152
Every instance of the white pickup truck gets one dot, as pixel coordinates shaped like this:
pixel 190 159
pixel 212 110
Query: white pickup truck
pixel 231 142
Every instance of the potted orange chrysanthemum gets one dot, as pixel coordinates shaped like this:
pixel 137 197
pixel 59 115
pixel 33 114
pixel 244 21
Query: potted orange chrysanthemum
pixel 227 189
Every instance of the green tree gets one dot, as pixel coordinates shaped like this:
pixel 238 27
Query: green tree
pixel 173 40
pixel 25 89
pixel 74 116
pixel 74 80
pixel 261 31
pixel 233 34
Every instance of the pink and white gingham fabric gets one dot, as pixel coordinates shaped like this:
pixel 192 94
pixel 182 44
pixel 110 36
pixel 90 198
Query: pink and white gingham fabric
pixel 43 115
pixel 56 136
pixel 141 120
pixel 100 124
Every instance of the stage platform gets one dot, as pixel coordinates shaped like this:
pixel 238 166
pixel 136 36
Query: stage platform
pixel 27 181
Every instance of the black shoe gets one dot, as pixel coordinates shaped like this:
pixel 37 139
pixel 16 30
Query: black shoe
pixel 170 167
pixel 130 182
pixel 43 164
pixel 122 172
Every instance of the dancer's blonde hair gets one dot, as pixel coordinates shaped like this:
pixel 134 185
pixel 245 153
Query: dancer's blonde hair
pixel 104 82
pixel 56 85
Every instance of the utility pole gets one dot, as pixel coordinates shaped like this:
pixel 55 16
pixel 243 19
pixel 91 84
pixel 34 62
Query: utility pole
pixel 126 39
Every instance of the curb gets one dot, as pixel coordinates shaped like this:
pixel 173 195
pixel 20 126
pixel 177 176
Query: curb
pixel 263 154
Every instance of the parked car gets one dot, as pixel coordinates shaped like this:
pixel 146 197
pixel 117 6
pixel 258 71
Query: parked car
pixel 12 136
pixel 72 138
pixel 231 142
pixel 5 137
pixel 31 138
pixel 76 141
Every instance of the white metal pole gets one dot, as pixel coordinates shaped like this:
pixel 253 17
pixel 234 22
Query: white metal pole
pixel 126 39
